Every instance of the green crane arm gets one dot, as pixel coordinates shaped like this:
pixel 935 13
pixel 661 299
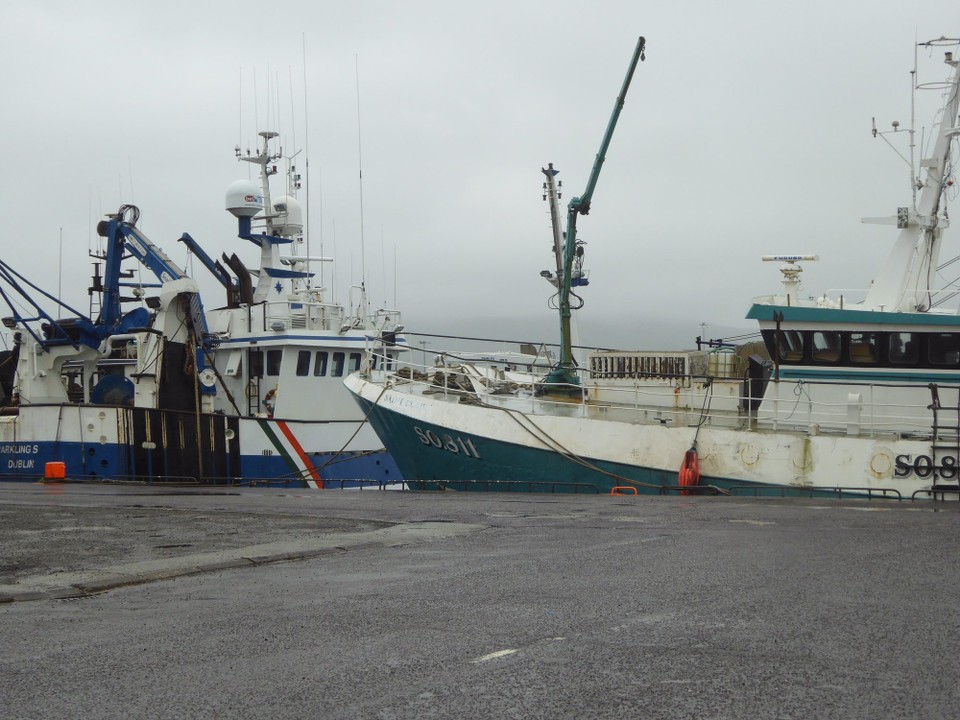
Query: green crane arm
pixel 565 372
pixel 582 204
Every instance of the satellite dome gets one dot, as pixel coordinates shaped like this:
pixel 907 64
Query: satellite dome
pixel 289 220
pixel 244 198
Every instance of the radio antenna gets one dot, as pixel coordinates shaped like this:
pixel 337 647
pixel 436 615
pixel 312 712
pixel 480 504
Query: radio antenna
pixel 363 255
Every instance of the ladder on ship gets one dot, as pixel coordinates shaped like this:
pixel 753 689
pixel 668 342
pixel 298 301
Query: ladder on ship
pixel 96 288
pixel 945 439
pixel 254 373
pixel 253 396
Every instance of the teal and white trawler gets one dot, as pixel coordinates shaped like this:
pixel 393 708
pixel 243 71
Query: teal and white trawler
pixel 855 398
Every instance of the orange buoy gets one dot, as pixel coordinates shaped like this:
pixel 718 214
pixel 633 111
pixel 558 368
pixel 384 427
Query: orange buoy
pixel 689 475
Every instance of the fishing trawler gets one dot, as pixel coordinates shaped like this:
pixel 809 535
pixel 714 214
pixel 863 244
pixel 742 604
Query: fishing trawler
pixel 858 398
pixel 247 393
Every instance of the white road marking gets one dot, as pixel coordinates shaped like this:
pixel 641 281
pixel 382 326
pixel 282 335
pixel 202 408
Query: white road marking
pixel 494 655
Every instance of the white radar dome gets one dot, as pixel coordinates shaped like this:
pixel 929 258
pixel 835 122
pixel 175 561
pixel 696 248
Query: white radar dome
pixel 289 220
pixel 244 198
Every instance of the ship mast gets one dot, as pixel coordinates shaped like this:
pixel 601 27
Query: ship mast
pixel 564 373
pixel 269 250
pixel 904 282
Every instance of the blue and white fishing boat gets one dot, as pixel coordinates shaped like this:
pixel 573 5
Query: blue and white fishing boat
pixel 250 392
pixel 852 398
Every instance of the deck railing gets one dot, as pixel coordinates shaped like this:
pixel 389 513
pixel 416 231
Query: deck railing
pixel 812 407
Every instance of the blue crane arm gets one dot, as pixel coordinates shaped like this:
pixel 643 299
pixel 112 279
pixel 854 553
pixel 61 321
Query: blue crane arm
pixel 150 255
pixel 124 238
pixel 43 327
pixel 209 263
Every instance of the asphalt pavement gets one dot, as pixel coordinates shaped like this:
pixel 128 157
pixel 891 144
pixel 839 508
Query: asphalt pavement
pixel 150 602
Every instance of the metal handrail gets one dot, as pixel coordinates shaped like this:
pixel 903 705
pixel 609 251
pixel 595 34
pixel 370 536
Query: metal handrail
pixel 935 491
pixel 693 490
pixel 169 480
pixel 792 490
pixel 829 416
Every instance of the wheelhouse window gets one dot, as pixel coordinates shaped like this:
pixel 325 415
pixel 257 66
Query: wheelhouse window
pixel 337 369
pixel 384 362
pixel 320 366
pixel 354 362
pixel 274 358
pixel 303 363
pixel 826 347
pixel 943 348
pixel 790 345
pixel 903 348
pixel 863 348
pixel 893 349
pixel 256 363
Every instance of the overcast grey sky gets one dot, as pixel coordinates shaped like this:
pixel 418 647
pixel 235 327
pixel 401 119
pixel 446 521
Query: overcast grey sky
pixel 746 132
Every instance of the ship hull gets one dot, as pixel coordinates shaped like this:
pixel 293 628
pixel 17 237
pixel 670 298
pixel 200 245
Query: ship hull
pixel 148 445
pixel 443 444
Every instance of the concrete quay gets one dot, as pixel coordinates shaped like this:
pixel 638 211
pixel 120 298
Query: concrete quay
pixel 143 601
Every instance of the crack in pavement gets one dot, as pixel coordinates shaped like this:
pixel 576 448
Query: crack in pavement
pixel 65 585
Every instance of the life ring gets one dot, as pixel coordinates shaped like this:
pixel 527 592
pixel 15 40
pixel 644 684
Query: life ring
pixel 689 475
pixel 270 400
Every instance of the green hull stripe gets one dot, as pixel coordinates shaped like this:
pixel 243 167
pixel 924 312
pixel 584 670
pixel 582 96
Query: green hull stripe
pixel 272 437
pixel 789 373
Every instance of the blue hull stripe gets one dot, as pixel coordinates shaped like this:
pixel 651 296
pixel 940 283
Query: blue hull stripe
pixel 26 462
pixel 264 339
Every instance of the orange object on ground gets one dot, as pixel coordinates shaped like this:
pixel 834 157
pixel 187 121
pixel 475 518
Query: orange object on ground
pixel 55 471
